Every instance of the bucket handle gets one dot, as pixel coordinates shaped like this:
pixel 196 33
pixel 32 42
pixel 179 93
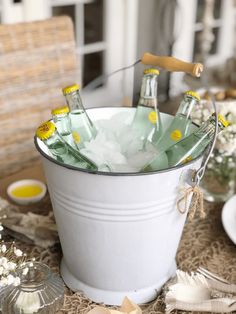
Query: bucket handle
pixel 165 62
pixel 172 64
pixel 198 174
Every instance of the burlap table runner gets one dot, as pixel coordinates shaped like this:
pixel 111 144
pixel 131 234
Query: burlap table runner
pixel 204 243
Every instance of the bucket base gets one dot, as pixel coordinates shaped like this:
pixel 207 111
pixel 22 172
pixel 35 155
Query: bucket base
pixel 114 297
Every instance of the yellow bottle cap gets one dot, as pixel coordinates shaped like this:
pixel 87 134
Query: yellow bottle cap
pixel 151 71
pixel 193 94
pixel 45 130
pixel 224 122
pixel 70 89
pixel 60 110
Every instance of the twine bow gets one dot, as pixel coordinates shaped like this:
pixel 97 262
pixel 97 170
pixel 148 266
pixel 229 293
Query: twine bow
pixel 197 202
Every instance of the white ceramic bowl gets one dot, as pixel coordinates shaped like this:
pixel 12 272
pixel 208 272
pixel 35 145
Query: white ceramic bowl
pixel 27 191
pixel 228 217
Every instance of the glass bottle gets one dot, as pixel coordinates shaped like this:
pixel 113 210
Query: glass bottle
pixel 62 121
pixel 81 126
pixel 61 150
pixel 180 125
pixel 39 291
pixel 190 147
pixel 147 117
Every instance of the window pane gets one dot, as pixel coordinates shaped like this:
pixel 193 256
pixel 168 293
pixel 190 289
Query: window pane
pixel 200 10
pixel 64 10
pixel 217 9
pixel 201 7
pixel 197 45
pixel 93 21
pixel 198 41
pixel 215 42
pixel 93 66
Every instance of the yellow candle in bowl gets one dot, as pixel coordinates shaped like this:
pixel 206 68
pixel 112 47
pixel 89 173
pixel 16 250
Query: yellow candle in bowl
pixel 26 191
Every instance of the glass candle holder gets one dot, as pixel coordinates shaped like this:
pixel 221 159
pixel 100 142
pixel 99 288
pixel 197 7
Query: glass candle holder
pixel 40 291
pixel 218 183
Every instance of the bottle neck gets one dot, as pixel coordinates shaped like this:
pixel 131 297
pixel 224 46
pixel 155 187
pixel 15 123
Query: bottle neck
pixel 74 101
pixel 60 117
pixel 55 137
pixel 148 94
pixel 208 128
pixel 186 106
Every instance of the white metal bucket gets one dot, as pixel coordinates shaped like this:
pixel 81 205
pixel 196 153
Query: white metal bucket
pixel 119 232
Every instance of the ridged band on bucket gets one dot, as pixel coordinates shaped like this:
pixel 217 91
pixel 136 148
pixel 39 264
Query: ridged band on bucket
pixel 111 211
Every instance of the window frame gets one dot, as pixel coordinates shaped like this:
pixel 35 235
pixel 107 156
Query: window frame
pixel 185 22
pixel 120 18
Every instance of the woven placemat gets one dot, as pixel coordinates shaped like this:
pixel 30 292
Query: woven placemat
pixel 204 243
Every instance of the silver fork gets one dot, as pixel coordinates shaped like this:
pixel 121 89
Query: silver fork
pixel 210 275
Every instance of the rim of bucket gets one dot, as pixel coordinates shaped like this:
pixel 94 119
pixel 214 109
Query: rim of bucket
pixel 112 173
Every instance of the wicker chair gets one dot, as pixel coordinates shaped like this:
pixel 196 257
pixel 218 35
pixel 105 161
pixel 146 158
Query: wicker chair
pixel 36 60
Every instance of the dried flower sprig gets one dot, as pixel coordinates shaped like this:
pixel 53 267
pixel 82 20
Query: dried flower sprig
pixel 226 140
pixel 222 164
pixel 10 258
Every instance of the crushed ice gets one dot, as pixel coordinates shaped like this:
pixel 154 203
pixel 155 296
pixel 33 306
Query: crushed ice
pixel 118 146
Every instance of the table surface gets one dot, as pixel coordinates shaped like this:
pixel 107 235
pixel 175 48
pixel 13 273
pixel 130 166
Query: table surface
pixel 204 243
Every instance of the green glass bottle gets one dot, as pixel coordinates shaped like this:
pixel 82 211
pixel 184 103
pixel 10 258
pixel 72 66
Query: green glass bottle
pixel 81 126
pixel 191 147
pixel 180 125
pixel 61 150
pixel 147 120
pixel 62 121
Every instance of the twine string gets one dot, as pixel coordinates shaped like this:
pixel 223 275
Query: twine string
pixel 196 204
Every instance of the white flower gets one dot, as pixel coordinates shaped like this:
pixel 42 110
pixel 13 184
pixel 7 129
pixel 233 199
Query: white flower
pixel 18 252
pixel 219 159
pixel 16 281
pixel 9 261
pixel 226 140
pixel 10 279
pixel 3 281
pixel 3 248
pixel 25 271
pixel 11 266
pixel 3 260
pixel 1 270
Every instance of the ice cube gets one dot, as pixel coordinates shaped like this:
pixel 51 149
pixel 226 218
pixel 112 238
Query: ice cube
pixel 140 159
pixel 117 147
pixel 104 150
pixel 130 141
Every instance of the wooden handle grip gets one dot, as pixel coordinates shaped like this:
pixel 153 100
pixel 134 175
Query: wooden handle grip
pixel 172 64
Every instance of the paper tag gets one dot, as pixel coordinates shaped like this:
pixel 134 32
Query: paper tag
pixel 152 117
pixel 176 135
pixel 76 137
